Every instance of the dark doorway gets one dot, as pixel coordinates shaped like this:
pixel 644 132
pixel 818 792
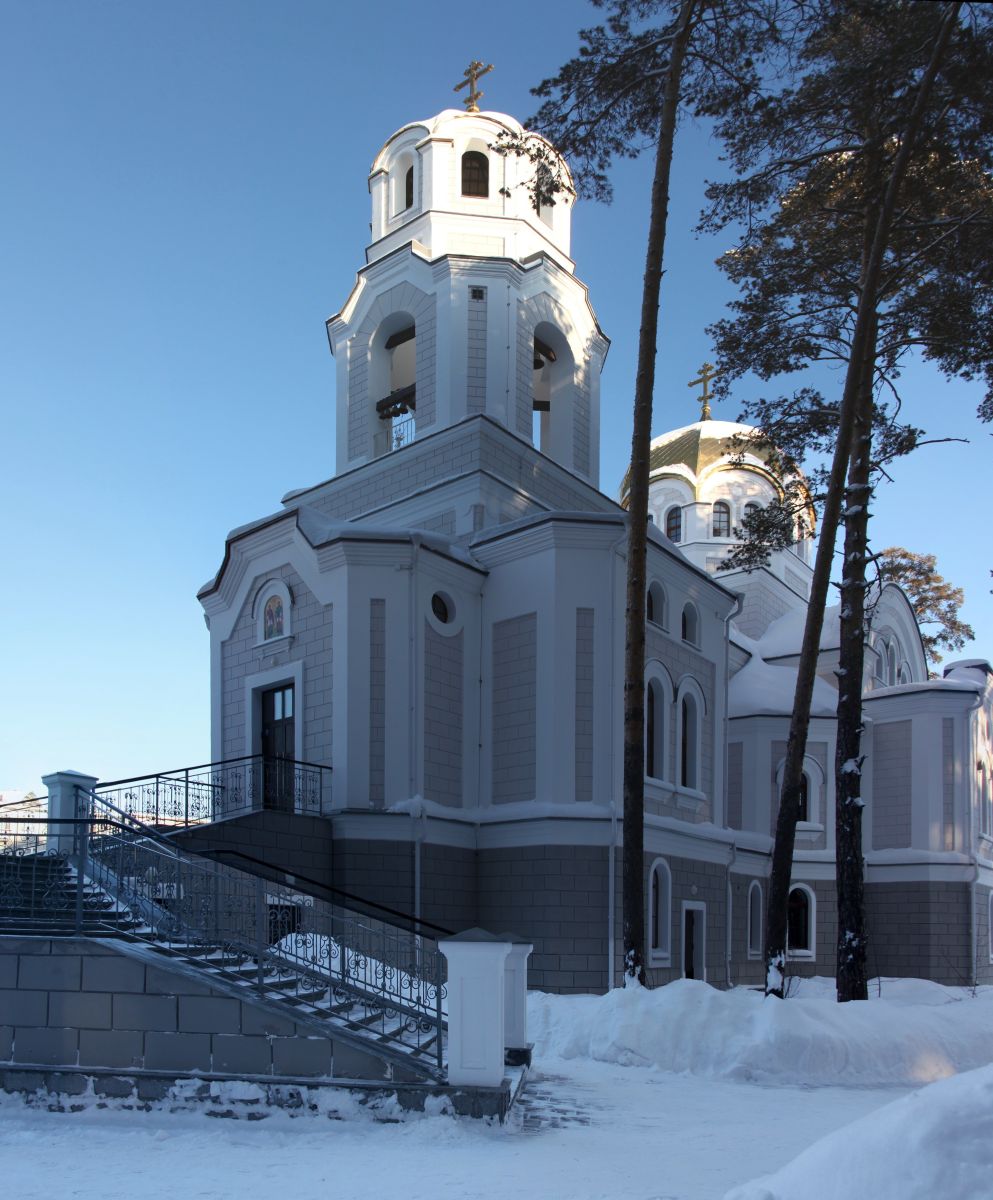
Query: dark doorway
pixel 694 934
pixel 278 748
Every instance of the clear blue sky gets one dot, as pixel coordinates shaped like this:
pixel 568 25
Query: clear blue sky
pixel 183 203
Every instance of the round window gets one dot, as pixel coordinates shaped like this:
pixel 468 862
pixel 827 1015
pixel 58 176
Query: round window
pixel 441 607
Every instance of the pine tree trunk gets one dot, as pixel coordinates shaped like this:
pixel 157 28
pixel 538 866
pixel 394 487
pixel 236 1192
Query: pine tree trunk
pixel 851 975
pixel 633 902
pixel 789 807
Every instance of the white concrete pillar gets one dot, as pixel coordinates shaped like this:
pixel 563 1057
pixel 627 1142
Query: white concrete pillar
pixel 476 991
pixel 62 792
pixel 515 1001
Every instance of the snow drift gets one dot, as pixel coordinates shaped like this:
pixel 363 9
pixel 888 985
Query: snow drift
pixel 932 1143
pixel 915 1033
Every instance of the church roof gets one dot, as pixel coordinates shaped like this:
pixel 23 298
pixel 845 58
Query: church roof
pixel 696 447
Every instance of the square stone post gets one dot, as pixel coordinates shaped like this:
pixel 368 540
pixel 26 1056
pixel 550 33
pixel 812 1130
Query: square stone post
pixel 476 993
pixel 515 1003
pixel 61 787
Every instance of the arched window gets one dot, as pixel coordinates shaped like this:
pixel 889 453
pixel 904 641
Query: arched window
pixel 722 520
pixel 755 919
pixel 690 625
pixel 891 664
pixel 659 914
pixel 811 790
pixel 655 731
pixel 475 174
pixel 689 737
pixel 750 508
pixel 804 805
pixel 655 604
pixel 990 926
pixel 674 524
pixel 408 188
pixel 800 924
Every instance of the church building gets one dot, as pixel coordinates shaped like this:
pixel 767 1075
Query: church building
pixel 429 644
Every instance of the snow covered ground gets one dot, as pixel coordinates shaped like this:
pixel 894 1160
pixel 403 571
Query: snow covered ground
pixel 683 1093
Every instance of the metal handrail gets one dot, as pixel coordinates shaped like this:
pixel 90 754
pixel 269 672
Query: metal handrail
pixel 314 887
pixel 394 976
pixel 227 787
pixel 220 762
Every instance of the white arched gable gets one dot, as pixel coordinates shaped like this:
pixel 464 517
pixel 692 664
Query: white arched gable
pixel 892 620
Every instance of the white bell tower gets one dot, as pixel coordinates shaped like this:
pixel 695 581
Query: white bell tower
pixel 468 304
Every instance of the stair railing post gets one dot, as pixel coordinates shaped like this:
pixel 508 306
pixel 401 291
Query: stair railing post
pixel 61 787
pixel 439 985
pixel 156 799
pixel 260 921
pixel 82 846
pixel 186 797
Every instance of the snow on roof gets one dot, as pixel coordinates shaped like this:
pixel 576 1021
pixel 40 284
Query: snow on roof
pixel 785 635
pixel 762 689
pixel 961 683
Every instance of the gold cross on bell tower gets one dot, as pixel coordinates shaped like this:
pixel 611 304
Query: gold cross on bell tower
pixel 473 72
pixel 707 373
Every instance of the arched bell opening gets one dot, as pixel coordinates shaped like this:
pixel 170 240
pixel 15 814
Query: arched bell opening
pixel 552 391
pixel 393 383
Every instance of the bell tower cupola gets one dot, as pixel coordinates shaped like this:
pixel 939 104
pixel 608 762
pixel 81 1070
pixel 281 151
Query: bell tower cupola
pixel 468 303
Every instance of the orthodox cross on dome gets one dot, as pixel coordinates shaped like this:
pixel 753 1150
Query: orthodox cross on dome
pixel 473 72
pixel 707 373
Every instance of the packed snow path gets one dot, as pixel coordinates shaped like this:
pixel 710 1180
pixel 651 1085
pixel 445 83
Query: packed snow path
pixel 591 1131
pixel 684 1093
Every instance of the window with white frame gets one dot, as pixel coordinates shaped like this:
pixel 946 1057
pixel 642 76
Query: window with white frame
pixel 801 922
pixel 811 791
pixel 658 694
pixel 690 624
pixel 659 914
pixel 674 524
pixel 655 604
pixel 689 726
pixel 755 919
pixel 722 520
pixel 989 926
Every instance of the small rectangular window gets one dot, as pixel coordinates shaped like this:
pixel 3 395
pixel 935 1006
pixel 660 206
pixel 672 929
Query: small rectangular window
pixel 288 709
pixel 277 706
pixel 476 293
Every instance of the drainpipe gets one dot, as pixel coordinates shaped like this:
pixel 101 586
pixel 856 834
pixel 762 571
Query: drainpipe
pixel 612 852
pixel 418 831
pixel 732 859
pixel 970 758
pixel 738 602
pixel 413 790
pixel 733 853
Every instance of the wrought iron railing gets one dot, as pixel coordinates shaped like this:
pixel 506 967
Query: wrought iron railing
pixel 368 978
pixel 214 791
pixel 19 818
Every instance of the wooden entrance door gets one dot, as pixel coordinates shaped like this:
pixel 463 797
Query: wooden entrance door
pixel 278 747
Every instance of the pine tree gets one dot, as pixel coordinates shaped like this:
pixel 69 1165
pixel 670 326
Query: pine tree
pixel 650 61
pixel 935 601
pixel 864 187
